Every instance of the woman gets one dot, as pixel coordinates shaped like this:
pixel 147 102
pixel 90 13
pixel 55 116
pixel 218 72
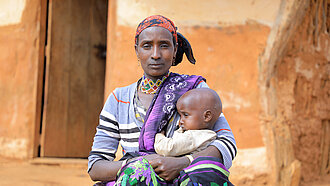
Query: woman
pixel 132 115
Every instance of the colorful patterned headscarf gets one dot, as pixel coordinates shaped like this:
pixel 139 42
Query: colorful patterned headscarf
pixel 156 20
pixel 161 21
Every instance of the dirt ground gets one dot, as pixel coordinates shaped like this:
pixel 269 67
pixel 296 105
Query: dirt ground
pixel 45 172
pixel 49 172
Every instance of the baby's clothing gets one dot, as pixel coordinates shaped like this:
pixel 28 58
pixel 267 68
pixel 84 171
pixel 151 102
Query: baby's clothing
pixel 183 142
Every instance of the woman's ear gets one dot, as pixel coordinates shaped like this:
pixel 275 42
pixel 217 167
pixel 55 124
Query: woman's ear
pixel 207 116
pixel 174 56
pixel 175 49
pixel 136 52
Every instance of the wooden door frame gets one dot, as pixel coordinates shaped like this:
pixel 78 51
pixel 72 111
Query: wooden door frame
pixel 40 78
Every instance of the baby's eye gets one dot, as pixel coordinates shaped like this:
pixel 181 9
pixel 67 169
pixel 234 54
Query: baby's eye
pixel 185 114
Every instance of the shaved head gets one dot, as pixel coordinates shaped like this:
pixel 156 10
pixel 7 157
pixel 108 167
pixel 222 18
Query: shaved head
pixel 204 101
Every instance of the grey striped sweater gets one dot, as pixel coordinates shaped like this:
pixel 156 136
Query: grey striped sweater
pixel 118 123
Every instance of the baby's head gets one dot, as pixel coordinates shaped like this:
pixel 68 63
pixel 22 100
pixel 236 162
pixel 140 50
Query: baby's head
pixel 199 109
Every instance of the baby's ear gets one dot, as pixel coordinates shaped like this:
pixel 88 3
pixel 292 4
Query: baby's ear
pixel 207 116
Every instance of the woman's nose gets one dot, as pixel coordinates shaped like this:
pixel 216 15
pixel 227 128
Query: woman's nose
pixel 155 53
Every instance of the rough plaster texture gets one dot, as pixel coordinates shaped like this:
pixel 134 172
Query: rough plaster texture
pixel 276 135
pixel 11 11
pixel 19 46
pixel 199 13
pixel 294 84
pixel 304 92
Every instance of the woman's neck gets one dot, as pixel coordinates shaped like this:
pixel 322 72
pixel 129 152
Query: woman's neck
pixel 155 78
pixel 150 86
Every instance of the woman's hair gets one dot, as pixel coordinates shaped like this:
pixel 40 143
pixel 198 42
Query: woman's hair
pixel 161 21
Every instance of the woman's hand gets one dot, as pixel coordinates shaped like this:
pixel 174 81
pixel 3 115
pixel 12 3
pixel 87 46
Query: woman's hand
pixel 152 157
pixel 169 168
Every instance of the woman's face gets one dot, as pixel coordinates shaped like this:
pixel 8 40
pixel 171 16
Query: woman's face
pixel 155 50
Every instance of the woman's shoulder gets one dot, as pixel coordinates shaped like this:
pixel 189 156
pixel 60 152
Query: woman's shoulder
pixel 123 94
pixel 201 84
pixel 183 75
pixel 125 89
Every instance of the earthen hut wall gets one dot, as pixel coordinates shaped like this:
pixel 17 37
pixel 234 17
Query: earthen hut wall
pixel 20 52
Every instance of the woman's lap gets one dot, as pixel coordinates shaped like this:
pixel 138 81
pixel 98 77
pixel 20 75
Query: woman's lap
pixel 202 171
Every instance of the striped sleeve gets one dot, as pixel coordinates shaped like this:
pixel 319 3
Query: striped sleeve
pixel 107 134
pixel 225 141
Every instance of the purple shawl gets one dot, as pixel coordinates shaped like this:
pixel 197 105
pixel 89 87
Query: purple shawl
pixel 163 107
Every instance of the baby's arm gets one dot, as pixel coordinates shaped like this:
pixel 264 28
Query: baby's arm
pixel 179 144
pixel 183 143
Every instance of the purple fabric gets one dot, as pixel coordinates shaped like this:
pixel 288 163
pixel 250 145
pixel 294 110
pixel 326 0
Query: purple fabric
pixel 111 183
pixel 163 106
pixel 207 162
pixel 206 171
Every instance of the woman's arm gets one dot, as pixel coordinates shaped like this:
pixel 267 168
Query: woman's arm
pixel 225 141
pixel 104 170
pixel 101 166
pixel 209 151
pixel 169 168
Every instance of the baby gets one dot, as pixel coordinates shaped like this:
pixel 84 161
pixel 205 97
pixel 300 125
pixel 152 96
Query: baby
pixel 199 109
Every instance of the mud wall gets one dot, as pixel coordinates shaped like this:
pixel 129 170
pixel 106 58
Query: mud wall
pixel 227 38
pixel 294 83
pixel 19 67
pixel 303 89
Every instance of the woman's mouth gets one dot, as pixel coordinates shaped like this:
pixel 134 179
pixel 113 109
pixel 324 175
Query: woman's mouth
pixel 156 65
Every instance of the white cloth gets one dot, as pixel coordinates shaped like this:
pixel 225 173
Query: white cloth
pixel 183 142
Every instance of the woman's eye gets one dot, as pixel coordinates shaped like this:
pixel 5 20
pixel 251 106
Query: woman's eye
pixel 146 46
pixel 164 46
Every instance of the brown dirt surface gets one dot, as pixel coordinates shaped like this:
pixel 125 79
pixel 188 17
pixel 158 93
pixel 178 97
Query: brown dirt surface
pixel 51 172
pixel 17 172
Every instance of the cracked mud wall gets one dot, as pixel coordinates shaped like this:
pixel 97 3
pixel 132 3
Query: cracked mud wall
pixel 295 96
pixel 303 73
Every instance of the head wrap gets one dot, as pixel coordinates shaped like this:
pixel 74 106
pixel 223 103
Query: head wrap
pixel 161 21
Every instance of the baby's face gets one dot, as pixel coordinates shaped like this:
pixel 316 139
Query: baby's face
pixel 191 114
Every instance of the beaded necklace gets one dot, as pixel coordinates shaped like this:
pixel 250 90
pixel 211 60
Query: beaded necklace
pixel 150 86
